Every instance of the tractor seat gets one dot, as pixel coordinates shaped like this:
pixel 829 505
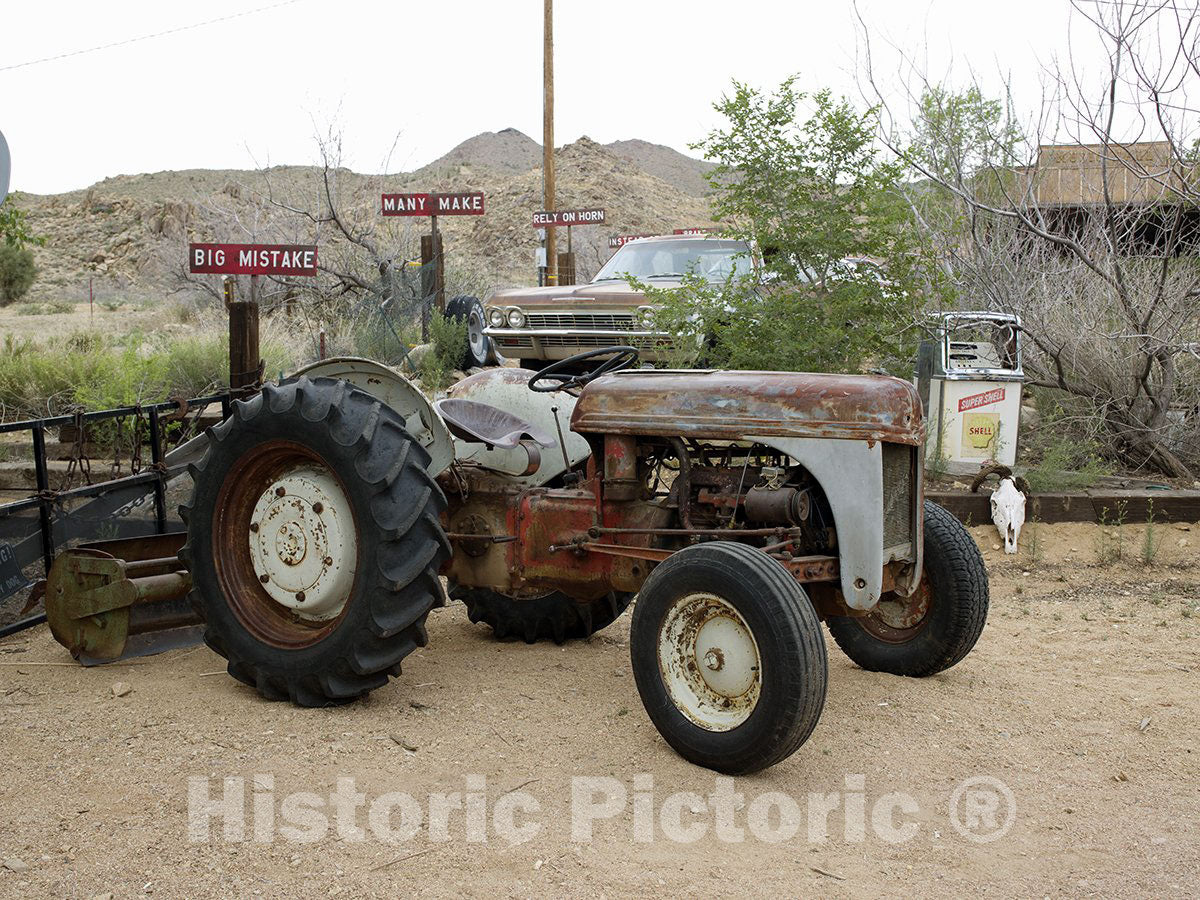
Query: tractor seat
pixel 484 424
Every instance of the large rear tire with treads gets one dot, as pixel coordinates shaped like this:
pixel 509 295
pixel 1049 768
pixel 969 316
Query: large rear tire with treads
pixel 553 616
pixel 314 542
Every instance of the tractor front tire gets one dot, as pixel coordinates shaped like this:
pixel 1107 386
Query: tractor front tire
pixel 314 542
pixel 938 625
pixel 728 657
pixel 554 616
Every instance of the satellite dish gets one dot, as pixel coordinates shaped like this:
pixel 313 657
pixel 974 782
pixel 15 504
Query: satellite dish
pixel 5 167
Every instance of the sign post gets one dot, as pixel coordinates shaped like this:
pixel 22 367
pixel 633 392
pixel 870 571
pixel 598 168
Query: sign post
pixel 549 219
pixel 548 135
pixel 465 203
pixel 245 361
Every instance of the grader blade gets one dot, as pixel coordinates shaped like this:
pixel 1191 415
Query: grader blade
pixel 112 600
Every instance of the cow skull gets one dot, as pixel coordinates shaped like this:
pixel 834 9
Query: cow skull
pixel 1008 501
pixel 1008 512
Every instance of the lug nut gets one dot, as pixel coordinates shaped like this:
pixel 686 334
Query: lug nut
pixel 300 597
pixel 264 578
pixel 254 526
pixel 318 508
pixel 280 491
pixel 328 561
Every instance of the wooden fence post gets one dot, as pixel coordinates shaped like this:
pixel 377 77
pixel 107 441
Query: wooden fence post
pixel 245 362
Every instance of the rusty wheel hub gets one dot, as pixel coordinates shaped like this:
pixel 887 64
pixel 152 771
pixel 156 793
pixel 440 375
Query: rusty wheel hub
pixel 285 544
pixel 897 619
pixel 710 662
pixel 302 542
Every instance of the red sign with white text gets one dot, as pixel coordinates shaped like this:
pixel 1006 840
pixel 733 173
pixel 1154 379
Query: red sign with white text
pixel 568 217
pixel 252 259
pixel 620 240
pixel 995 395
pixel 461 204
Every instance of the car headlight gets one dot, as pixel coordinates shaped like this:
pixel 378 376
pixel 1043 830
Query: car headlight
pixel 515 318
pixel 496 317
pixel 645 316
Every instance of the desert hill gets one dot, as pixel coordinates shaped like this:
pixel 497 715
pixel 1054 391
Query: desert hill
pixel 671 166
pixel 514 152
pixel 128 234
pixel 509 151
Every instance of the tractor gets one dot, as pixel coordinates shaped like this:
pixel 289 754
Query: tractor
pixel 331 512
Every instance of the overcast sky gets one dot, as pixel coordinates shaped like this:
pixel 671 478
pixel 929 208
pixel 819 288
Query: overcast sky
pixel 247 91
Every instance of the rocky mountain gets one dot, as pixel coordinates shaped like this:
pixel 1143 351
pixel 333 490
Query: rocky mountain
pixel 671 166
pixel 509 151
pixel 514 152
pixel 128 235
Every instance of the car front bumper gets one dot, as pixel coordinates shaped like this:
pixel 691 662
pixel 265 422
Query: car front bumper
pixel 559 343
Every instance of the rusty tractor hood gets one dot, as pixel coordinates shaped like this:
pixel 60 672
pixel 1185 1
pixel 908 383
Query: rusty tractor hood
pixel 732 405
pixel 605 294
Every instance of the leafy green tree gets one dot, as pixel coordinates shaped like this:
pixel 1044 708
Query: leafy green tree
pixel 839 268
pixel 17 272
pixel 17 267
pixel 14 226
pixel 958 135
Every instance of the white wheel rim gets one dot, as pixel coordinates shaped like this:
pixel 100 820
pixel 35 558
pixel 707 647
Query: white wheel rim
pixel 475 335
pixel 710 662
pixel 303 545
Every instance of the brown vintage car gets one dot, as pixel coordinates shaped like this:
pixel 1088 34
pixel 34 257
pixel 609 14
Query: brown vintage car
pixel 541 324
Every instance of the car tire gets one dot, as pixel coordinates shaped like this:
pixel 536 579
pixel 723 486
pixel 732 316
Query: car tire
pixel 470 311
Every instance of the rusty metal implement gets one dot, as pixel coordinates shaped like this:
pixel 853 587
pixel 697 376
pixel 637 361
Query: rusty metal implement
pixel 112 600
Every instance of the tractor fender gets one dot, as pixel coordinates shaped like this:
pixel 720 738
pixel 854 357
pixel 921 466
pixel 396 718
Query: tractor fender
pixel 395 391
pixel 851 475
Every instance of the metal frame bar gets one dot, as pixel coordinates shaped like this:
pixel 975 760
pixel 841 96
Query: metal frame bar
pixel 46 498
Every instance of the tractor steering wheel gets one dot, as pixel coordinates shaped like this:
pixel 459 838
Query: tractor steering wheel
pixel 558 379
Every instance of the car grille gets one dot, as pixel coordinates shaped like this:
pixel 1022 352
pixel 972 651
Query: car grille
pixel 596 321
pixel 899 469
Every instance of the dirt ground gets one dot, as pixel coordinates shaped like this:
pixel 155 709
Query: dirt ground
pixel 1081 699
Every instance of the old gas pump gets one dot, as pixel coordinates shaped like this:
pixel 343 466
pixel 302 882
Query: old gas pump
pixel 969 377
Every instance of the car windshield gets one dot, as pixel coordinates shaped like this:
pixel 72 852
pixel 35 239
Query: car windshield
pixel 712 260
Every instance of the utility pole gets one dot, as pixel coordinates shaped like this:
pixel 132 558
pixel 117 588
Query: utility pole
pixel 548 139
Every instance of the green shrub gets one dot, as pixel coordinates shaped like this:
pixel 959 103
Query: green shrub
pixel 448 337
pixel 1064 451
pixel 44 309
pixel 85 370
pixel 1066 466
pixel 17 272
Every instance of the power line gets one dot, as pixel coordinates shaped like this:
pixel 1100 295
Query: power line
pixel 146 37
